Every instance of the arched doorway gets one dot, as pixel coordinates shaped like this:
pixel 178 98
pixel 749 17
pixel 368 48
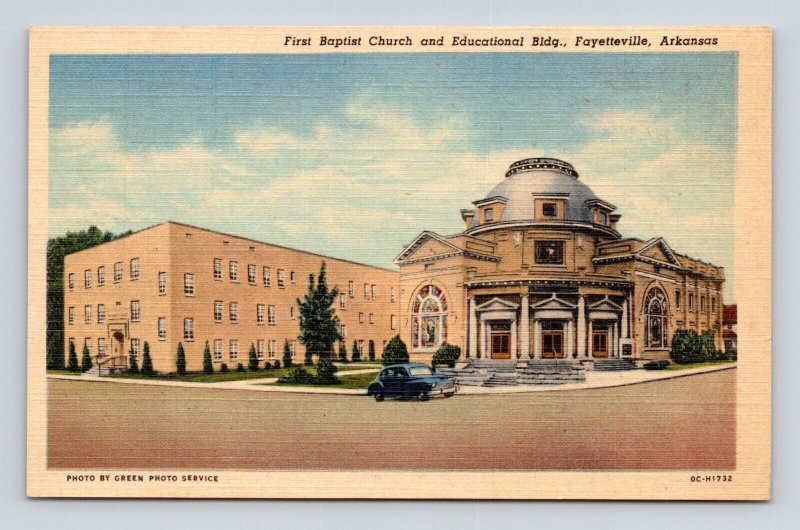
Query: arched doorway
pixel 656 319
pixel 117 344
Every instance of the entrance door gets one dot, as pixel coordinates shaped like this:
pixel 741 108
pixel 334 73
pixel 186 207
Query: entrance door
pixel 600 344
pixel 117 344
pixel 553 345
pixel 501 345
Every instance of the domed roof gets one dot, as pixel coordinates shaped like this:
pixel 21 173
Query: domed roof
pixel 541 177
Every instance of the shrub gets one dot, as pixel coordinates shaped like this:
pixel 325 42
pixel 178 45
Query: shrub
pixel 395 351
pixel 342 352
pixel 223 368
pixel 297 376
pixel 356 355
pixel 252 360
pixel 276 363
pixel 326 373
pixel 72 364
pixel 707 346
pixel 147 362
pixel 86 360
pixel 287 354
pixel 731 355
pixel 685 346
pixel 133 366
pixel 180 360
pixel 371 350
pixel 656 365
pixel 239 367
pixel 308 359
pixel 267 366
pixel 208 366
pixel 446 355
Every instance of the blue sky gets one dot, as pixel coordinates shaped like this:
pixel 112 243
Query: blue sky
pixel 353 154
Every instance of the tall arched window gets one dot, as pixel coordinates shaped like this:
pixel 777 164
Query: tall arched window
pixel 656 320
pixel 429 318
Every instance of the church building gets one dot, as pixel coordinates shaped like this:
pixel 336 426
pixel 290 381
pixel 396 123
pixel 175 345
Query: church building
pixel 540 271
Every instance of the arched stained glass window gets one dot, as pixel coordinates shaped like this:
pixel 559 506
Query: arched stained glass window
pixel 656 320
pixel 429 318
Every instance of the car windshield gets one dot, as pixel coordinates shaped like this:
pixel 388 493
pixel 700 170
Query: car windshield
pixel 420 370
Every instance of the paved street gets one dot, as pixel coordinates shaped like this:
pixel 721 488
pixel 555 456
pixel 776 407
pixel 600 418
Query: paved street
pixel 683 423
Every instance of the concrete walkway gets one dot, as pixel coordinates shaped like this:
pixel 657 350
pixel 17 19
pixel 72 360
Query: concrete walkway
pixel 593 380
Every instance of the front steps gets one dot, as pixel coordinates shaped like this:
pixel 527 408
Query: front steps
pixel 615 364
pixel 513 373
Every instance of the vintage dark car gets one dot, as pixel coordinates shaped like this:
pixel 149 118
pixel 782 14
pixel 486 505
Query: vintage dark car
pixel 410 381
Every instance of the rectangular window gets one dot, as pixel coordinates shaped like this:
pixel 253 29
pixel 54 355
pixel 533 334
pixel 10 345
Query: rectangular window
pixel 677 299
pixel 292 348
pixel 101 347
pixel 392 322
pixel 549 252
pixel 217 310
pixel 135 347
pixel 703 304
pixel 101 313
pixel 71 280
pixel 135 269
pixel 260 349
pixel 101 275
pixel 87 278
pixel 280 277
pixel 87 343
pixel 188 329
pixel 341 302
pixel 343 330
pixel 360 318
pixel 233 271
pixel 391 294
pixel 371 318
pixel 361 348
pixel 271 315
pixel 350 288
pixel 273 346
pixel 549 209
pixel 217 349
pixel 265 272
pixel 488 215
pixel 233 350
pixel 233 312
pixel 374 293
pixel 713 305
pixel 259 313
pixel 366 291
pixel 251 274
pixel 292 277
pixel 162 328
pixel 691 302
pixel 118 272
pixel 87 314
pixel 188 284
pixel 71 315
pixel 291 312
pixel 162 283
pixel 134 310
pixel 217 269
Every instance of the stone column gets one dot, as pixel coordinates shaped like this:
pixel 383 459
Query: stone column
pixel 624 333
pixel 589 348
pixel 485 354
pixel 570 341
pixel 513 340
pixel 581 328
pixel 615 341
pixel 525 328
pixel 472 340
pixel 537 339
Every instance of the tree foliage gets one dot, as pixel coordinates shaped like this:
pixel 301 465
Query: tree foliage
pixel 446 355
pixel 147 362
pixel 342 351
pixel 208 366
pixel 57 248
pixel 287 354
pixel 86 360
pixel 355 356
pixel 371 350
pixel 319 325
pixel 395 351
pixel 73 365
pixel 252 359
pixel 133 362
pixel 180 360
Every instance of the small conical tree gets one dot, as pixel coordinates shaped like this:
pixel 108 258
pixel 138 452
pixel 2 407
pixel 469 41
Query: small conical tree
pixel 371 350
pixel 342 351
pixel 319 325
pixel 147 362
pixel 72 363
pixel 208 366
pixel 252 360
pixel 86 360
pixel 395 351
pixel 287 354
pixel 180 360
pixel 356 355
pixel 133 366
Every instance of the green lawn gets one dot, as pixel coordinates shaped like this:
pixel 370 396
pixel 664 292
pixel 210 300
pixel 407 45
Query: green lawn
pixel 354 382
pixel 62 372
pixel 233 375
pixel 689 366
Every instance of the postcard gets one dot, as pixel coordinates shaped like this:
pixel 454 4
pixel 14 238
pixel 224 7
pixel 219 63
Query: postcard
pixel 400 262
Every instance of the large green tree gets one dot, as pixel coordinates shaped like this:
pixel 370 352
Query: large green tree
pixel 319 325
pixel 57 248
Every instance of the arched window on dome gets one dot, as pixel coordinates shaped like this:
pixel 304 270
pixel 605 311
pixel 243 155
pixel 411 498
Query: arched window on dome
pixel 656 319
pixel 429 318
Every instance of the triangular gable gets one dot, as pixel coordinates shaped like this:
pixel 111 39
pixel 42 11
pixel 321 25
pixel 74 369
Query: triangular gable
pixel 496 304
pixel 553 303
pixel 658 249
pixel 605 305
pixel 430 241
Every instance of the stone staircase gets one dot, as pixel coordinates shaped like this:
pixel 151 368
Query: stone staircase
pixel 615 364
pixel 512 373
pixel 550 372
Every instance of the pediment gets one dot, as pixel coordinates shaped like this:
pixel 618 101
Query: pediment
pixel 659 250
pixel 553 303
pixel 605 305
pixel 427 244
pixel 497 304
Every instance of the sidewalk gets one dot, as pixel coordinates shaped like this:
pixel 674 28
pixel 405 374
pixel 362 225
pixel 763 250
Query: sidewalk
pixel 593 380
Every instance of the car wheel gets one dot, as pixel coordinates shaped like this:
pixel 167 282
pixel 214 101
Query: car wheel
pixel 449 395
pixel 423 396
pixel 379 397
